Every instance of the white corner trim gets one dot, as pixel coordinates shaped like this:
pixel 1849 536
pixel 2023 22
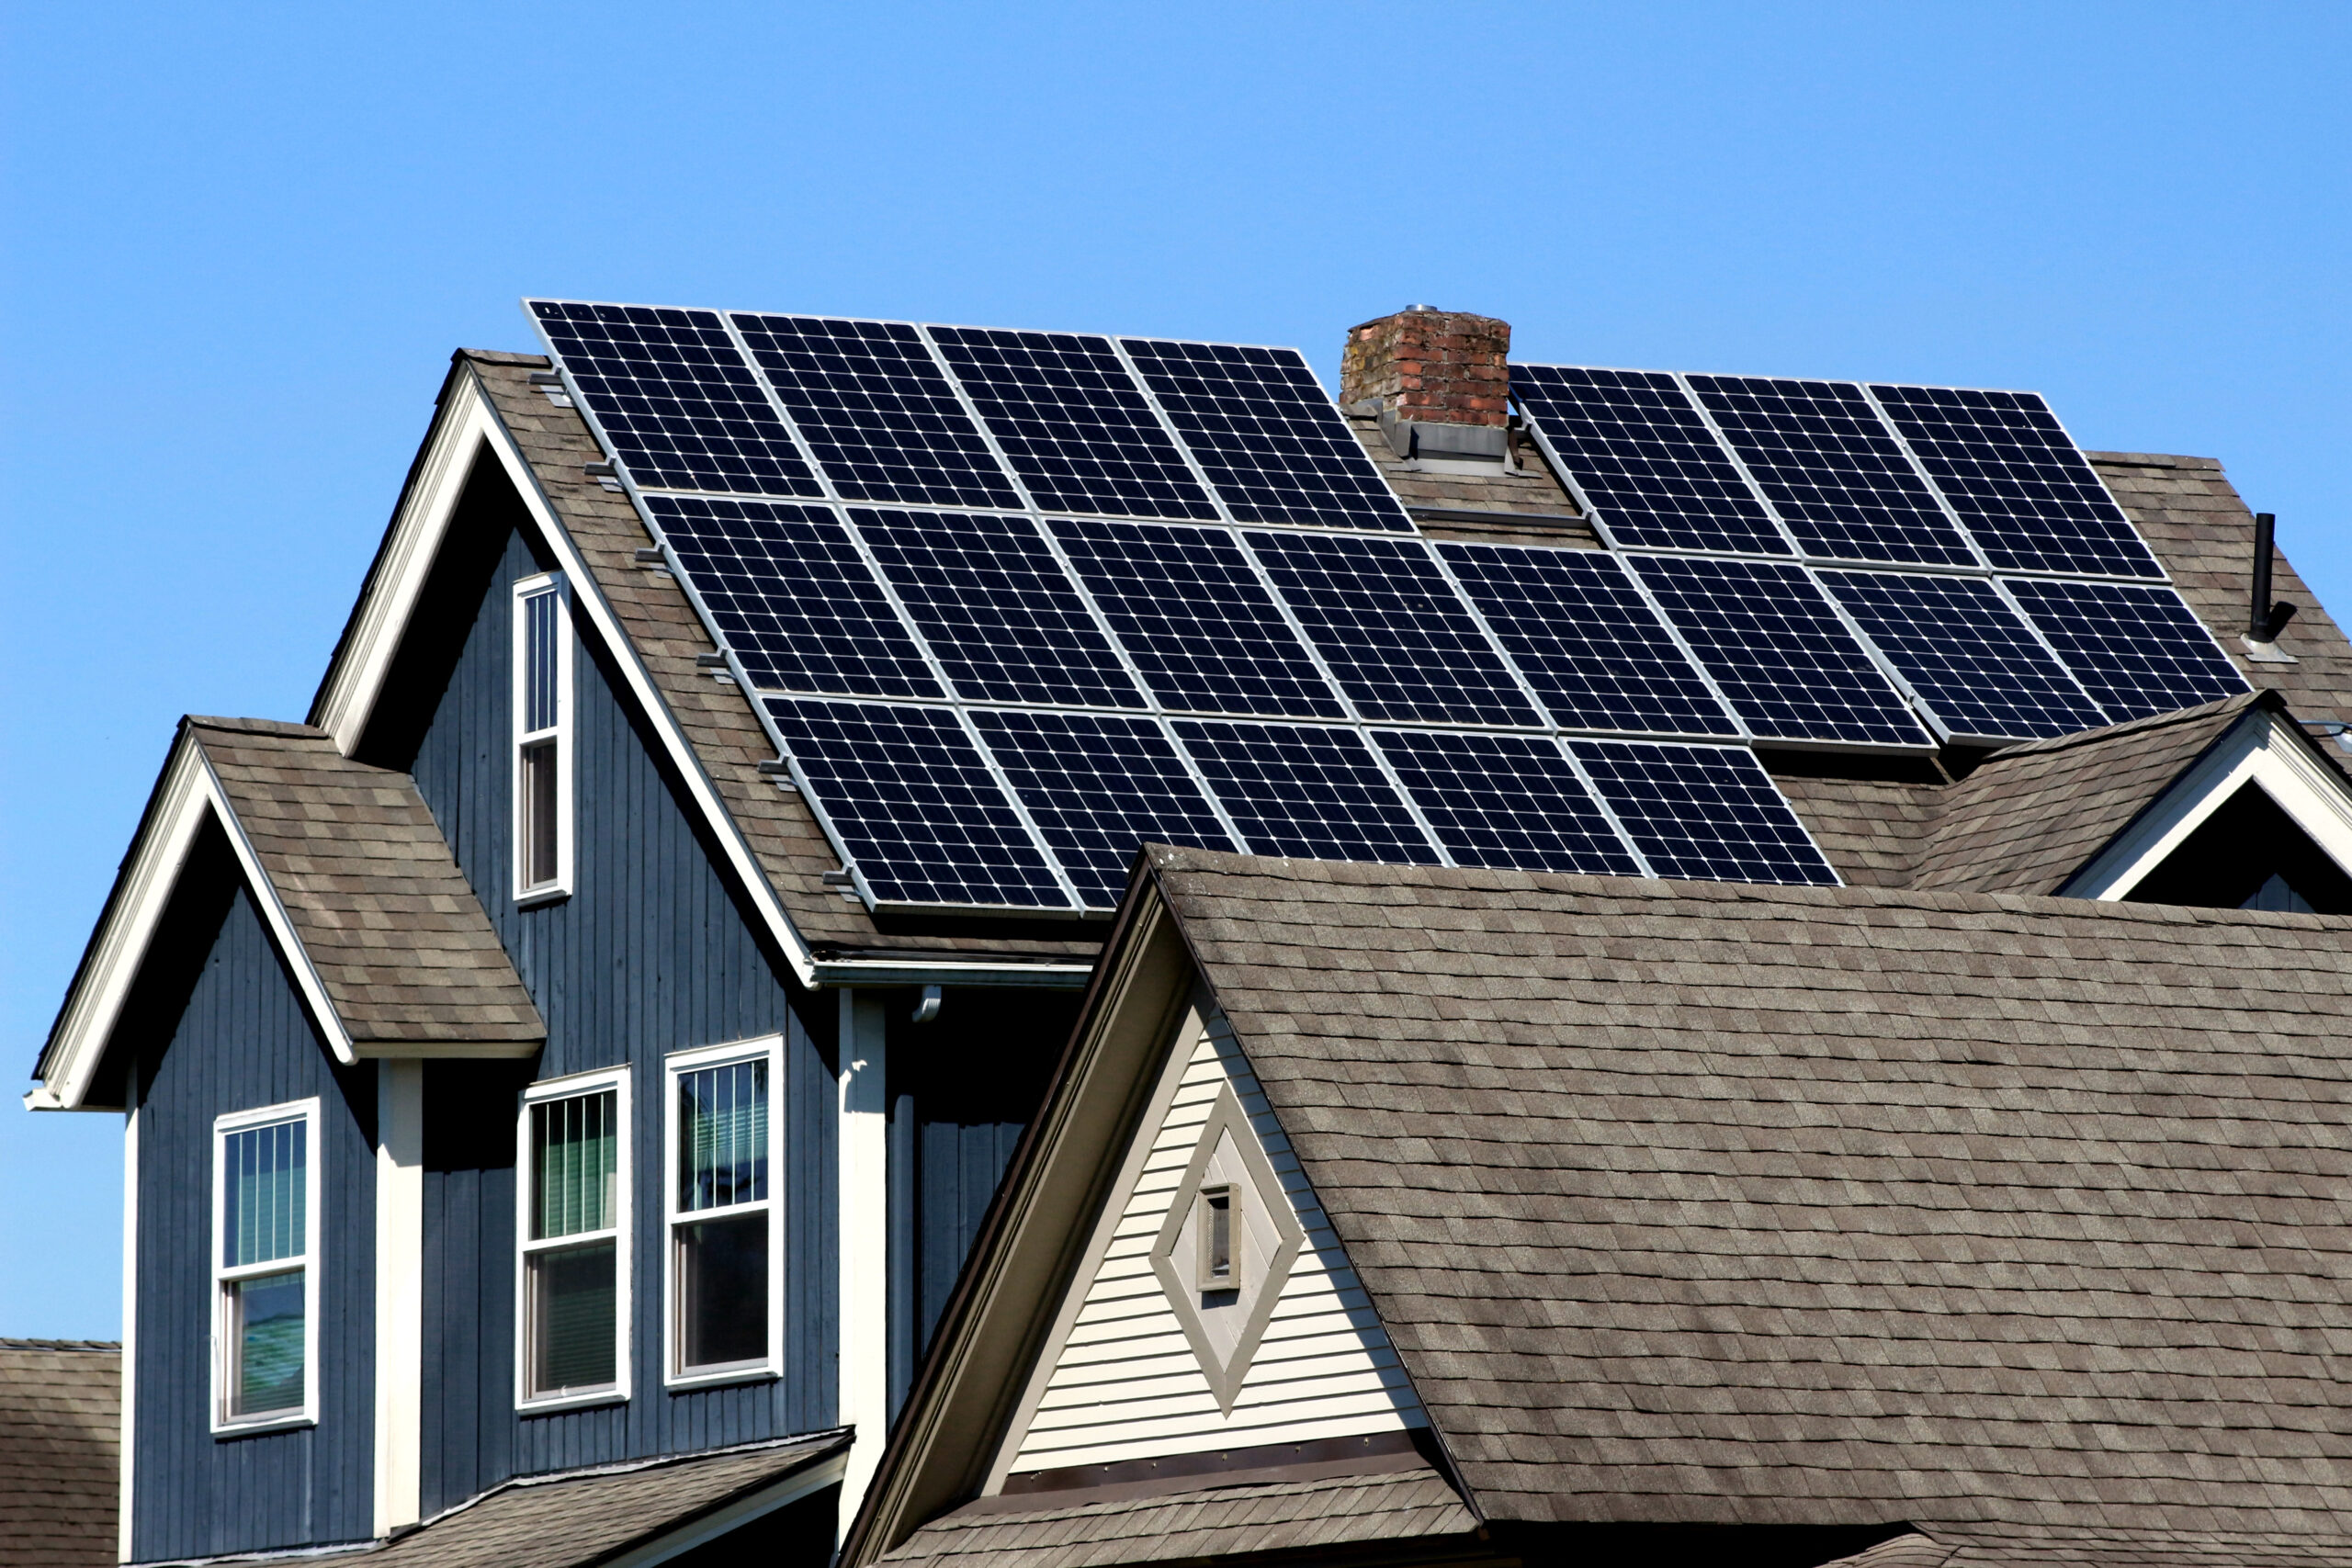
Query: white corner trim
pixel 2262 748
pixel 399 1292
pixel 129 1450
pixel 862 1255
pixel 188 789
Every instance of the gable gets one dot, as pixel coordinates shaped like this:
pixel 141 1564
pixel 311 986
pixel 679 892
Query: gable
pixel 1142 1364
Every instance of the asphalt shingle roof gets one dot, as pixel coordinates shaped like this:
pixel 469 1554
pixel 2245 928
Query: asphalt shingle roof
pixel 61 1424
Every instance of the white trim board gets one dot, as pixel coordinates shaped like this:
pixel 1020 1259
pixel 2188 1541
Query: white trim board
pixel 399 1292
pixel 2263 748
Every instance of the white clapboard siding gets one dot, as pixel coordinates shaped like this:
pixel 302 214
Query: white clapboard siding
pixel 1125 1383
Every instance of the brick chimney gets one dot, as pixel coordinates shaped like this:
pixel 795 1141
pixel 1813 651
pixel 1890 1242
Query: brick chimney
pixel 1438 380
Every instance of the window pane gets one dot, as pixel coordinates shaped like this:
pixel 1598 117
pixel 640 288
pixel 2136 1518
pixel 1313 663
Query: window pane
pixel 539 662
pixel 723 1135
pixel 265 1317
pixel 573 1318
pixel 575 1165
pixel 264 1193
pixel 539 817
pixel 723 1290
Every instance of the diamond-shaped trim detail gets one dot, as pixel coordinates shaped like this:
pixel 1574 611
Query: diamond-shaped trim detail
pixel 1224 1327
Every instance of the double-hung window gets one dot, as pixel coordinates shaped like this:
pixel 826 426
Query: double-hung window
pixel 726 1227
pixel 572 1345
pixel 264 1267
pixel 542 739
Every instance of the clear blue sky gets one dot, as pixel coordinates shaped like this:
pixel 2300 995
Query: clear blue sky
pixel 240 241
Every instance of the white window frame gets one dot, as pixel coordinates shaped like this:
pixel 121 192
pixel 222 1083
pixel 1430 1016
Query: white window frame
pixel 769 1048
pixel 525 891
pixel 570 1086
pixel 223 1275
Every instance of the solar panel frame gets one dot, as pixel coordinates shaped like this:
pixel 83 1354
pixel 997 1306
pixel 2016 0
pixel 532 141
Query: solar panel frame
pixel 1322 478
pixel 742 447
pixel 1650 787
pixel 1832 469
pixel 2182 666
pixel 1447 774
pixel 1780 679
pixel 1320 765
pixel 1128 464
pixel 851 433
pixel 1988 504
pixel 1618 467
pixel 1971 665
pixel 989 822
pixel 1362 598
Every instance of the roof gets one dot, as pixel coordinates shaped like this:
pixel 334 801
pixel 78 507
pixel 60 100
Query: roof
pixel 1712 1203
pixel 389 923
pixel 572 1520
pixel 61 1423
pixel 1083 1530
pixel 716 716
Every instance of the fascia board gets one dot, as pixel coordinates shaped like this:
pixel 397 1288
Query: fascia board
pixel 188 790
pixel 1067 977
pixel 2264 748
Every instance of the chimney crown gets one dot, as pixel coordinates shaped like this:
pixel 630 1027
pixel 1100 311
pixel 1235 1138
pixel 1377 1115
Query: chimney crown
pixel 1428 366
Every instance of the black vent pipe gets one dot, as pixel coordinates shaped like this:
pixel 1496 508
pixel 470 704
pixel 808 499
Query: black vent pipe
pixel 2266 618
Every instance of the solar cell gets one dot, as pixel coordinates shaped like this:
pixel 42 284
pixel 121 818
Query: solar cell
pixel 2015 477
pixel 1831 468
pixel 1646 460
pixel 680 407
pixel 1573 621
pixel 1316 793
pixel 1097 786
pixel 1778 652
pixel 1266 434
pixel 1505 800
pixel 2137 650
pixel 1392 629
pixel 1004 620
pixel 1970 657
pixel 914 805
pixel 1196 621
pixel 1706 812
pixel 792 597
pixel 877 411
pixel 1073 423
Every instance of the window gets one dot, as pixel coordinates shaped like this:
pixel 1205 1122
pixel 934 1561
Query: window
pixel 542 740
pixel 1217 1270
pixel 265 1227
pixel 571 1348
pixel 726 1291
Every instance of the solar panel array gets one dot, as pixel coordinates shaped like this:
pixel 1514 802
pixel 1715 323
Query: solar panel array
pixel 1013 602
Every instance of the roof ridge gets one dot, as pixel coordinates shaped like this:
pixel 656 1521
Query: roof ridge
pixel 256 726
pixel 87 1346
pixel 2135 726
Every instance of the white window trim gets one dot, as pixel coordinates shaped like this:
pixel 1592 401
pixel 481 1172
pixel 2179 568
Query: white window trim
pixel 525 893
pixel 566 1088
pixel 770 1048
pixel 313 1157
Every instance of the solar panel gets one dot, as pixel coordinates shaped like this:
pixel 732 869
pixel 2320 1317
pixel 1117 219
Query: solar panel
pixel 1196 620
pixel 2136 649
pixel 1266 434
pixel 1830 468
pixel 1393 630
pixel 675 400
pixel 1073 423
pixel 914 806
pixel 1970 657
pixel 1708 812
pixel 1506 800
pixel 1097 786
pixel 792 597
pixel 1575 623
pixel 1778 652
pixel 1316 793
pixel 2010 470
pixel 1646 460
pixel 998 612
pixel 876 410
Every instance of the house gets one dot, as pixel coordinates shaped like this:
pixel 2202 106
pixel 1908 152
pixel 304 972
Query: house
pixel 564 1074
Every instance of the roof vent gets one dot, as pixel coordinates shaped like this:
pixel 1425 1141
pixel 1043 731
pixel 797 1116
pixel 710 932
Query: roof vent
pixel 2266 617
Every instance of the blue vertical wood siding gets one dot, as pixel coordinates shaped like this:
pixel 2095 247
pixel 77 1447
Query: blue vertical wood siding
pixel 650 954
pixel 240 1038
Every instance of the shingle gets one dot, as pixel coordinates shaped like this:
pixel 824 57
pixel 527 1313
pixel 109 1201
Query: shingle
pixel 61 1415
